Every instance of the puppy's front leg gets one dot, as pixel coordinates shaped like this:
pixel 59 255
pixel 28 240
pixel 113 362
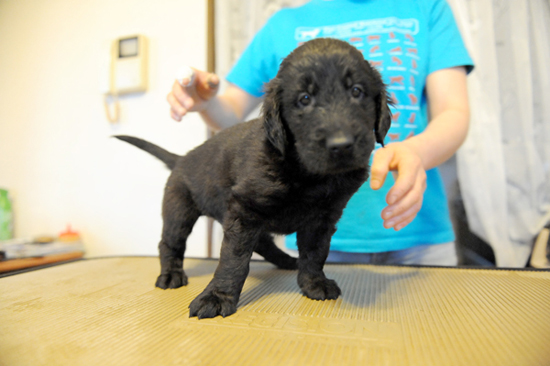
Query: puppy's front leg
pixel 313 247
pixel 222 293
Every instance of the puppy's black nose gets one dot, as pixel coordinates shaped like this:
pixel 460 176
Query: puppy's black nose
pixel 340 143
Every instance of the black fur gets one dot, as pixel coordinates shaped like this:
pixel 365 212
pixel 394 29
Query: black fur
pixel 292 170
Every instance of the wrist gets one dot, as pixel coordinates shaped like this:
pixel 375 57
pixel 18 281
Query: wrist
pixel 416 145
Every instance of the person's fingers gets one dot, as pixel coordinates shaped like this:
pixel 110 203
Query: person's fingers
pixel 380 167
pixel 185 76
pixel 398 216
pixel 404 222
pixel 409 200
pixel 405 210
pixel 207 85
pixel 183 96
pixel 176 109
pixel 191 89
pixel 409 169
pixel 176 117
pixel 405 197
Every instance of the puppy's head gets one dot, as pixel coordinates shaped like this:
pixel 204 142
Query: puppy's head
pixel 329 104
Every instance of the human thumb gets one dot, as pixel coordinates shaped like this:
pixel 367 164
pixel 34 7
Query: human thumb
pixel 208 85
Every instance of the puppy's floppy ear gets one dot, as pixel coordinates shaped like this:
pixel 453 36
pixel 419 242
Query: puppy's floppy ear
pixel 383 116
pixel 271 114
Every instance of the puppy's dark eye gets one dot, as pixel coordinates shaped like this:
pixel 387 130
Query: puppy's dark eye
pixel 304 100
pixel 357 91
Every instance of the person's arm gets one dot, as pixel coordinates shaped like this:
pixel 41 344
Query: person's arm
pixel 218 111
pixel 228 109
pixel 449 112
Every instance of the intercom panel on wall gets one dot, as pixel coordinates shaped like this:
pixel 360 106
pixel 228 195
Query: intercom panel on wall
pixel 128 65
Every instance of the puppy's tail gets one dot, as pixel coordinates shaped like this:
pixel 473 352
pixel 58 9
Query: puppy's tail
pixel 167 157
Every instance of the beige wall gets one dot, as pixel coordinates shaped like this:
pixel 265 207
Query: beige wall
pixel 56 157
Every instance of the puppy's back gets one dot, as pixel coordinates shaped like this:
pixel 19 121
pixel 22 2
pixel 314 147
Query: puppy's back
pixel 213 168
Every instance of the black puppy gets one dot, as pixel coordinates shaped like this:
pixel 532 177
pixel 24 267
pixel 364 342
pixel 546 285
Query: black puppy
pixel 292 170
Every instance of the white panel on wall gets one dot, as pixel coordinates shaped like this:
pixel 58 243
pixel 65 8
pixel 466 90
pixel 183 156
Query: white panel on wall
pixel 56 155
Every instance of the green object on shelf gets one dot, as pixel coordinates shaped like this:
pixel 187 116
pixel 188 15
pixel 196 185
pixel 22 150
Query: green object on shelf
pixel 6 216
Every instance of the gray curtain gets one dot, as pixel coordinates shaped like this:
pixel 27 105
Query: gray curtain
pixel 504 165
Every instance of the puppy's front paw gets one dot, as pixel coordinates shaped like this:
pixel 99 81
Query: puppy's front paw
pixel 210 304
pixel 320 288
pixel 174 279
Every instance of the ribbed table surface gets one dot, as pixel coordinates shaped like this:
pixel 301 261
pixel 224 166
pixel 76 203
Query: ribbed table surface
pixel 108 312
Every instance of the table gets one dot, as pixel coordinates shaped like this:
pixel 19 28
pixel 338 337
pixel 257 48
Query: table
pixel 107 311
pixel 22 263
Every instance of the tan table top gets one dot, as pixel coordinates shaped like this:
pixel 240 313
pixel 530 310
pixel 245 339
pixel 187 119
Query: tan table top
pixel 108 312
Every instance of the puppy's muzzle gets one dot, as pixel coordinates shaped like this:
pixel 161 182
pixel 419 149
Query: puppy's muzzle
pixel 340 144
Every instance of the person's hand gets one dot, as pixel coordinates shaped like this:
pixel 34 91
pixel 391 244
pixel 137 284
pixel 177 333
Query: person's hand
pixel 405 197
pixel 193 97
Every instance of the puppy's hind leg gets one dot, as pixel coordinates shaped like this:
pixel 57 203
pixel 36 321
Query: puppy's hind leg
pixel 266 248
pixel 179 214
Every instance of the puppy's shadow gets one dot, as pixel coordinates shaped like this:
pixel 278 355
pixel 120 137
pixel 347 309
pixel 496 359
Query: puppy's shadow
pixel 365 286
pixel 200 267
pixel 362 286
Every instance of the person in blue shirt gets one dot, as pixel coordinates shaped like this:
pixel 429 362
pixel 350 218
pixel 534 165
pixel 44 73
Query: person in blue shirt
pixel 418 49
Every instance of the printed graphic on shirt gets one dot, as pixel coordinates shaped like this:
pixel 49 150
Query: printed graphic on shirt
pixel 359 29
pixel 389 44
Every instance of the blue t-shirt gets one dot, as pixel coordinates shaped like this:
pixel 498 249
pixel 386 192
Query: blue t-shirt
pixel 406 40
